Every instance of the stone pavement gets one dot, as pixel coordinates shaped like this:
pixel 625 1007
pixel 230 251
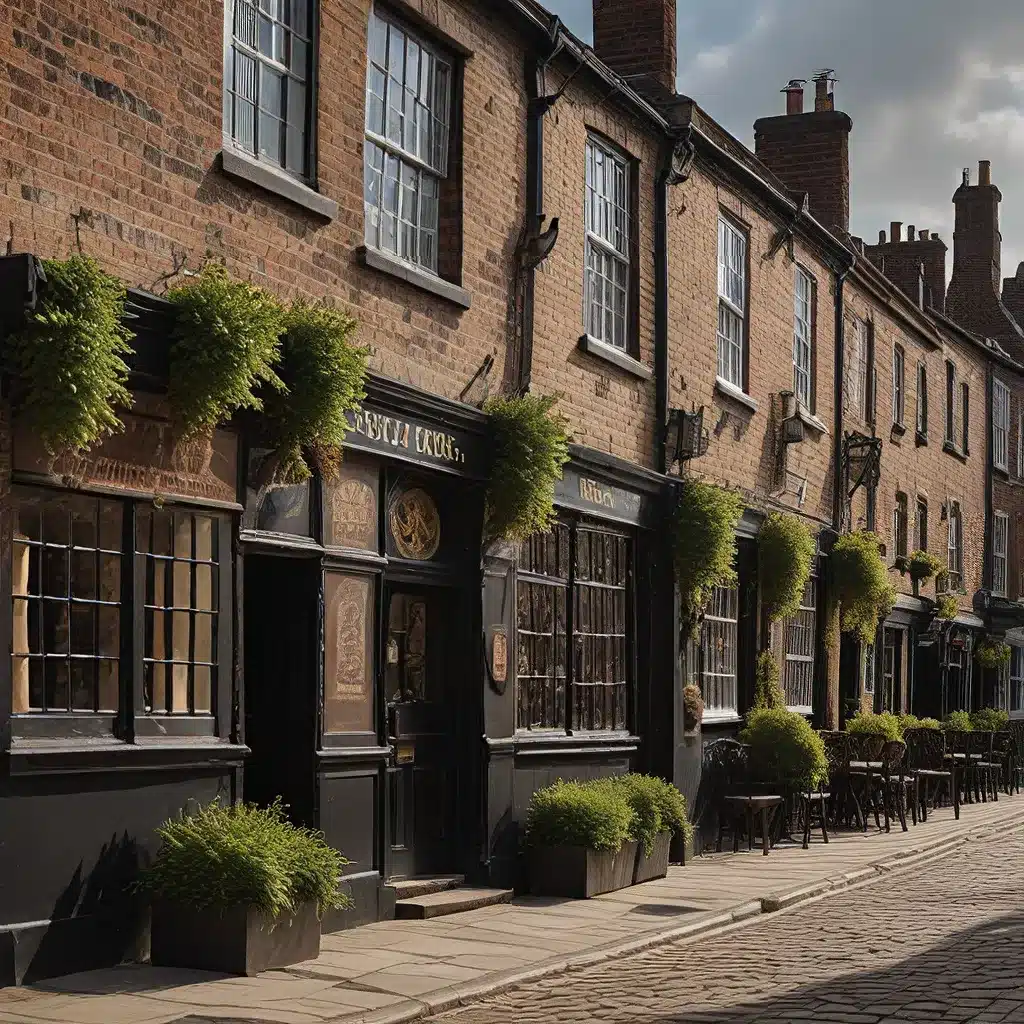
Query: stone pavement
pixel 944 942
pixel 397 971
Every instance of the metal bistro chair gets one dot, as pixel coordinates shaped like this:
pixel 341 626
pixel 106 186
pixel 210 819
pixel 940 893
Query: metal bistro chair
pixel 896 783
pixel 1017 764
pixel 958 754
pixel 867 769
pixel 839 752
pixel 926 760
pixel 990 764
pixel 727 768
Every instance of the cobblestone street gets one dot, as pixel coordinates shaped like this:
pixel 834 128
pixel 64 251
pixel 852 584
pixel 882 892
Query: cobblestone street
pixel 943 942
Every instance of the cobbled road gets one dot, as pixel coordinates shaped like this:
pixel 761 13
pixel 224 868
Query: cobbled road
pixel 942 942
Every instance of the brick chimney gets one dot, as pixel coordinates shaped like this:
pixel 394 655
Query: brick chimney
pixel 1013 294
pixel 916 264
pixel 973 298
pixel 637 39
pixel 811 152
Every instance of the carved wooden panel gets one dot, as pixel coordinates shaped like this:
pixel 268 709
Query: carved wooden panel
pixel 350 507
pixel 348 654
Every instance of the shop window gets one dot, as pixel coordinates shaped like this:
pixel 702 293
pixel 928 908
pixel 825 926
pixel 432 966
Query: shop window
pixel 800 634
pixel 958 675
pixel 892 670
pixel 268 75
pixel 732 303
pixel 573 635
pixel 348 652
pixel 1000 547
pixel 719 648
pixel 1000 425
pixel 1016 681
pixel 88 600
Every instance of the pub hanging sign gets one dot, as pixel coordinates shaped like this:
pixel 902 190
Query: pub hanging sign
pixel 430 444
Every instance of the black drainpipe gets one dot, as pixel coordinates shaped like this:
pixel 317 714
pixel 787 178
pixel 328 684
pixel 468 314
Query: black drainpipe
pixel 838 485
pixel 988 565
pixel 661 387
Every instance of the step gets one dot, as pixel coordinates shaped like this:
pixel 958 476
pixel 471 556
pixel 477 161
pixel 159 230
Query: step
pixel 452 901
pixel 424 885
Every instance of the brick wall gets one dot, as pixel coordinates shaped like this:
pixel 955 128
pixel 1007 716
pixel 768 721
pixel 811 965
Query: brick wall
pixel 111 118
pixel 744 447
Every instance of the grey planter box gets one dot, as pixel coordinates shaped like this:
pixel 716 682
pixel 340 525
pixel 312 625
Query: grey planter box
pixel 656 865
pixel 580 873
pixel 239 940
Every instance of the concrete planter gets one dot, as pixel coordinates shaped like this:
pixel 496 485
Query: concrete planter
pixel 654 866
pixel 239 940
pixel 580 873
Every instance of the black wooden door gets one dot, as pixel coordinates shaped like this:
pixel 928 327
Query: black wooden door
pixel 418 691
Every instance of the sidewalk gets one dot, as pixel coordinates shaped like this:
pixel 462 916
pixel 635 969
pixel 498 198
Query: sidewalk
pixel 401 970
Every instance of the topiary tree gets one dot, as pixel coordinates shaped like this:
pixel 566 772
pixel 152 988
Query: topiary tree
pixel 67 360
pixel 531 447
pixel 785 555
pixel 768 692
pixel 784 750
pixel 703 546
pixel 860 584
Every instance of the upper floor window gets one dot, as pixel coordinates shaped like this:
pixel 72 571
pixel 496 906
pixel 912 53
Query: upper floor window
pixel 803 338
pixel 955 550
pixel 1000 546
pixel 922 399
pixel 862 371
pixel 732 303
pixel 965 417
pixel 950 402
pixel 1000 425
pixel 268 73
pixel 900 516
pixel 408 121
pixel 1020 445
pixel 607 222
pixel 899 384
pixel 922 524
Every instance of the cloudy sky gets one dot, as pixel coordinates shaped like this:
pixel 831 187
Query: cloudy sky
pixel 932 87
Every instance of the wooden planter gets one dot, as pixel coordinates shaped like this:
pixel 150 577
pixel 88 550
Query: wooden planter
pixel 654 866
pixel 580 873
pixel 239 940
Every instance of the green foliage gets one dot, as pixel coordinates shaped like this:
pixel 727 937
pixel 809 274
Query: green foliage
pixel 245 855
pixel 989 720
pixel 693 705
pixel 922 565
pixel 703 544
pixel 325 374
pixel 532 446
pixel 597 817
pixel 67 357
pixel 946 607
pixel 913 722
pixel 226 343
pixel 785 554
pixel 992 653
pixel 958 720
pixel 672 805
pixel 643 795
pixel 886 724
pixel 860 584
pixel 767 690
pixel 784 749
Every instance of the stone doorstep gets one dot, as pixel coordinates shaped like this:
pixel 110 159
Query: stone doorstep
pixel 450 901
pixel 410 888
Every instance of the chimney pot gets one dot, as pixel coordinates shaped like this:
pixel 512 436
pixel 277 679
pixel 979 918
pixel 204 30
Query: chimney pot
pixel 823 90
pixel 881 238
pixel 984 172
pixel 896 231
pixel 794 96
pixel 911 232
pixel 935 236
pixel 922 235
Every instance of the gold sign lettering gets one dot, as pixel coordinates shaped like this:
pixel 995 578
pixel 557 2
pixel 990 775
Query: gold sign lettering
pixel 593 492
pixel 436 444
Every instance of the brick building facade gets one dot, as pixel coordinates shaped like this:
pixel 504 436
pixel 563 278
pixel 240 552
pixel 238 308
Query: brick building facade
pixel 503 209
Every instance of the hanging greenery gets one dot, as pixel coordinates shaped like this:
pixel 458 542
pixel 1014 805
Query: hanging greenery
pixel 860 584
pixel 992 653
pixel 225 344
pixel 785 554
pixel 946 607
pixel 68 357
pixel 531 447
pixel 768 691
pixel 923 565
pixel 325 375
pixel 703 546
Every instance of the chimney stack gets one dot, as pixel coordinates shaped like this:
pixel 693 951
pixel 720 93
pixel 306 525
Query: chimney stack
pixel 896 231
pixel 637 39
pixel 810 152
pixel 909 263
pixel 973 299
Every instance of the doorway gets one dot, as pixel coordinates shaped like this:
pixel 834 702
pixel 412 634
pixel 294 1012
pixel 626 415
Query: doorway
pixel 418 691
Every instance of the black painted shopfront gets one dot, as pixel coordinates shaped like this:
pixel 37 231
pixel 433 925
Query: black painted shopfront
pixel 363 643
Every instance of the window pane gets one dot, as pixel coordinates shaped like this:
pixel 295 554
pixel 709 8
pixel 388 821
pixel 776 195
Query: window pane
pixel 718 650
pixel 270 137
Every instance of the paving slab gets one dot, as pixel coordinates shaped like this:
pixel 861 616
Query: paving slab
pixel 392 972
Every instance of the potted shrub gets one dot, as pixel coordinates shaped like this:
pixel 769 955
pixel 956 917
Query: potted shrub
pixel 958 721
pixel 579 841
pixel 884 724
pixel 240 890
pixel 989 720
pixel 659 814
pixel 784 750
pixel 913 722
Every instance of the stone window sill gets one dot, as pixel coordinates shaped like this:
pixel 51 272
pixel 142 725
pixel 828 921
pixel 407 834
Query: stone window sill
pixel 897 431
pixel 810 420
pixel 921 439
pixel 728 390
pixel 236 164
pixel 951 449
pixel 418 278
pixel 601 350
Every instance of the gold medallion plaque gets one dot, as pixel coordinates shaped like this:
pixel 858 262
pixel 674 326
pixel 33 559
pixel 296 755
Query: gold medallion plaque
pixel 415 524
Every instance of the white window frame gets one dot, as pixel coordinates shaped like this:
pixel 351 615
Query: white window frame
pixel 406 228
pixel 720 688
pixel 608 271
pixel 803 337
pixel 801 632
pixel 1000 553
pixel 732 303
pixel 861 374
pixel 1000 425
pixel 922 399
pixel 955 544
pixel 901 525
pixel 899 384
pixel 250 27
pixel 952 392
pixel 1016 681
pixel 922 521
